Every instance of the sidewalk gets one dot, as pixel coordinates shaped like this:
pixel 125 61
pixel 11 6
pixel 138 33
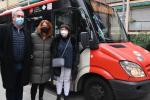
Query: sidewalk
pixel 26 94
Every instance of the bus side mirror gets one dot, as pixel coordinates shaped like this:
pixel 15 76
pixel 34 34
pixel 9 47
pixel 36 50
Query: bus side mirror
pixel 93 44
pixel 85 39
pixel 87 42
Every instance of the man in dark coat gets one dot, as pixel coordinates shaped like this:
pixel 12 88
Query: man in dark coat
pixel 15 56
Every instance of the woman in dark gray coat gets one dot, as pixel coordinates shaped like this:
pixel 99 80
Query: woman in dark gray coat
pixel 40 71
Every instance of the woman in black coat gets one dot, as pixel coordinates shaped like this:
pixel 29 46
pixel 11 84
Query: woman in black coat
pixel 70 56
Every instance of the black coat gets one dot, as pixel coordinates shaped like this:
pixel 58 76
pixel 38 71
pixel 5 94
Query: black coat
pixel 8 71
pixel 66 44
pixel 76 54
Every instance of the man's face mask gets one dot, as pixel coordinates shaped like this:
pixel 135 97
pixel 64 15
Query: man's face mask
pixel 18 18
pixel 64 32
pixel 19 21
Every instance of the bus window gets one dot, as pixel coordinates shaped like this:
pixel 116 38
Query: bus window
pixel 62 17
pixel 32 23
pixel 106 20
pixel 33 20
pixel 80 24
pixel 71 17
pixel 74 19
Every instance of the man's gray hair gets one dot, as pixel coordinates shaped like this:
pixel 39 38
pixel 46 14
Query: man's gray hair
pixel 16 10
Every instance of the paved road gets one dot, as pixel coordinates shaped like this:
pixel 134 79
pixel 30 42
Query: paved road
pixel 26 96
pixel 49 95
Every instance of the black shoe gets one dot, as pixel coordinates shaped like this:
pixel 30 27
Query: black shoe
pixel 66 98
pixel 41 98
pixel 32 98
pixel 58 97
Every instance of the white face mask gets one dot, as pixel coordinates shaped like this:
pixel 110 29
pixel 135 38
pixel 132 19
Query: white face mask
pixel 64 33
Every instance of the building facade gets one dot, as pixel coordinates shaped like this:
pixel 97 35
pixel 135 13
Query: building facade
pixel 137 16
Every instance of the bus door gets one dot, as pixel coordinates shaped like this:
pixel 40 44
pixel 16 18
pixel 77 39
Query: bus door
pixel 73 18
pixel 78 22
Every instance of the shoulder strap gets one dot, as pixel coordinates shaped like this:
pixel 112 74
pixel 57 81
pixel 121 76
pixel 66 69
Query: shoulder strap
pixel 65 48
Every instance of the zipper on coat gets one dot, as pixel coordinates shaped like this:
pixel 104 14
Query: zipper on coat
pixel 43 59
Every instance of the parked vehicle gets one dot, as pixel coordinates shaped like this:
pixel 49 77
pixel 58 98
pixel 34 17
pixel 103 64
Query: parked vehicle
pixel 111 67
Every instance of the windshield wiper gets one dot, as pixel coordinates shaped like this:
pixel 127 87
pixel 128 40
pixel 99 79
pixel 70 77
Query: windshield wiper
pixel 108 40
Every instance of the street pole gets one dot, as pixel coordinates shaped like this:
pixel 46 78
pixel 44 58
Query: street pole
pixel 127 16
pixel 28 2
pixel 123 11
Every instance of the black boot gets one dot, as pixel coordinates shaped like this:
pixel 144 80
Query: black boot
pixel 33 91
pixel 32 98
pixel 58 97
pixel 41 98
pixel 66 97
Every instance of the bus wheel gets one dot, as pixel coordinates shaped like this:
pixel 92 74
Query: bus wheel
pixel 97 89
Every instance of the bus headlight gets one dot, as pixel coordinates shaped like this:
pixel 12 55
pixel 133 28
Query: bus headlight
pixel 132 69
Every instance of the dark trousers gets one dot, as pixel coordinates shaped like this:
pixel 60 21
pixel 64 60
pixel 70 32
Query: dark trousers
pixel 34 90
pixel 15 93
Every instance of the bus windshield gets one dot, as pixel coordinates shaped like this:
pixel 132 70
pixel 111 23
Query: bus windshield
pixel 107 22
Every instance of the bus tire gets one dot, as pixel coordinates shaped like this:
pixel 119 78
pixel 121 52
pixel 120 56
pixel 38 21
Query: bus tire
pixel 96 88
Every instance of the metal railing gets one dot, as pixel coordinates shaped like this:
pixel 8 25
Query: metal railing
pixel 9 4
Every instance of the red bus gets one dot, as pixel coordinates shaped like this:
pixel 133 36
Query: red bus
pixel 111 67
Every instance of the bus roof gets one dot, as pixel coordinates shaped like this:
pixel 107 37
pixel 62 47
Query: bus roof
pixel 28 6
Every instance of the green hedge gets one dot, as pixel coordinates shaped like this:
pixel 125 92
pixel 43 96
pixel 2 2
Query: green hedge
pixel 141 39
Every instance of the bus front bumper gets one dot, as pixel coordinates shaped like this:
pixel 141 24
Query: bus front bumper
pixel 124 90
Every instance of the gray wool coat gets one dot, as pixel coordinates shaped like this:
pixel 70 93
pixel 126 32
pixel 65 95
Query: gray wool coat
pixel 40 70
